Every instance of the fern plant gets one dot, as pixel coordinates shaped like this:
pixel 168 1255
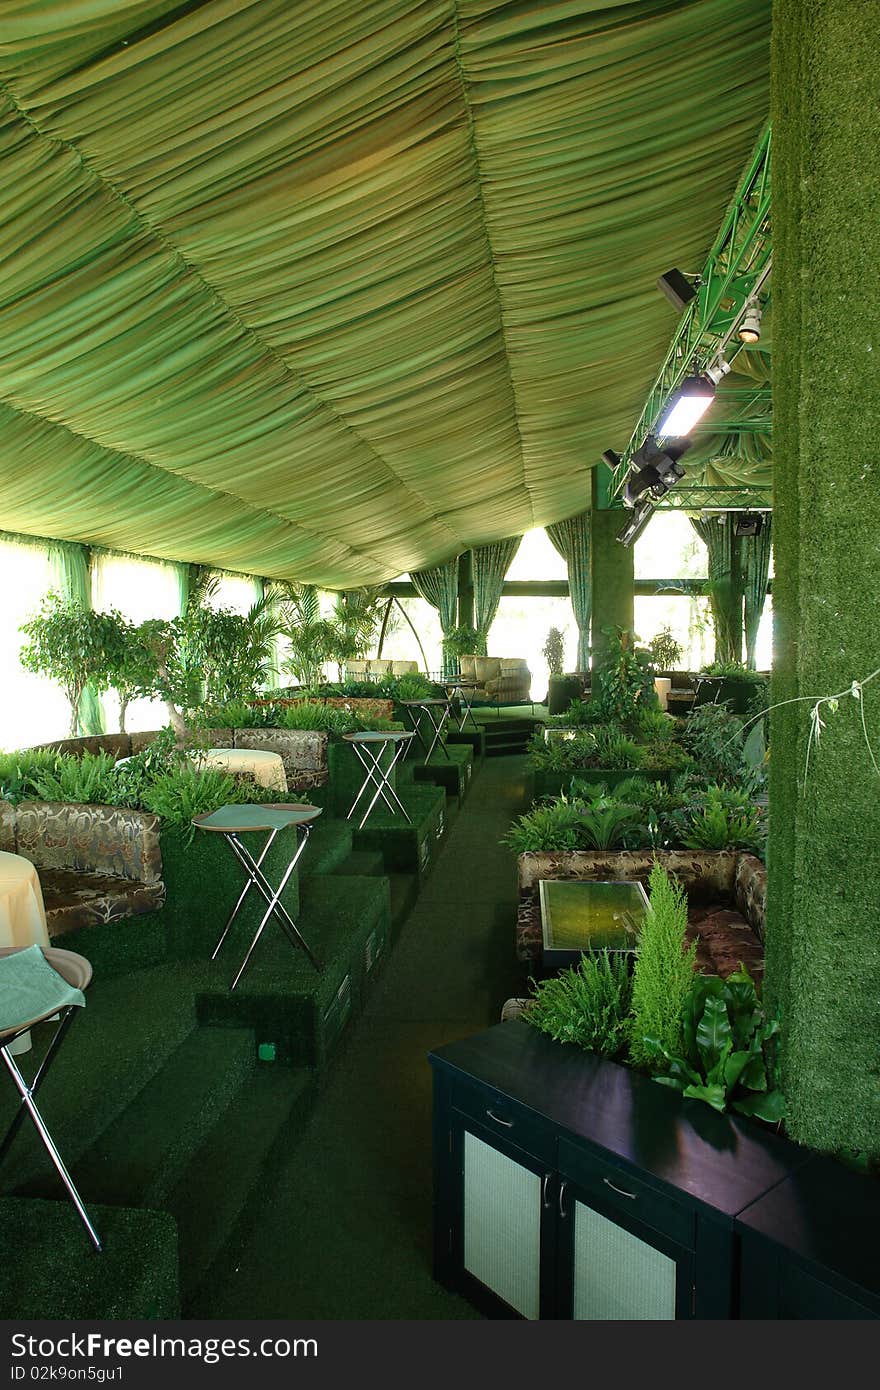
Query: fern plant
pixel 90 778
pixel 186 791
pixel 555 826
pixel 18 770
pixel 586 1005
pixel 663 973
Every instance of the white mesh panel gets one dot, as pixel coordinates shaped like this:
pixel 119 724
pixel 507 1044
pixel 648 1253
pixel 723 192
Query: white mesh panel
pixel 502 1225
pixel 616 1275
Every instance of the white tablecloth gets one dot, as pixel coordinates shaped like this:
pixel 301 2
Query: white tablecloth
pixel 22 915
pixel 267 768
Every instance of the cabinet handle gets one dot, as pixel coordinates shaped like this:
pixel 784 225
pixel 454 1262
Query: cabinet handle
pixel 563 1188
pixel 619 1190
pixel 508 1124
pixel 545 1199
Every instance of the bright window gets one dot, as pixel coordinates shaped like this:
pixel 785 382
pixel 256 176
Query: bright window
pixel 32 708
pixel 669 548
pixel 537 558
pixel 236 591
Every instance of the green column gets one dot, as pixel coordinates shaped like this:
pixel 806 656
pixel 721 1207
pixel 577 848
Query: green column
pixel 823 942
pixel 611 572
pixel 466 590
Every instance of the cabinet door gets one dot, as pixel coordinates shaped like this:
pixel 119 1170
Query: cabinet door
pixel 503 1242
pixel 614 1268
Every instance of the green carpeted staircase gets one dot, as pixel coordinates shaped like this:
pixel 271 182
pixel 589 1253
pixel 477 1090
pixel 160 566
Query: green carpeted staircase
pixel 158 1100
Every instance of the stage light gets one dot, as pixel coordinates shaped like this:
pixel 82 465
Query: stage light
pixel 677 288
pixel 748 524
pixel 611 458
pixel 636 523
pixel 654 470
pixel 749 330
pixel 690 405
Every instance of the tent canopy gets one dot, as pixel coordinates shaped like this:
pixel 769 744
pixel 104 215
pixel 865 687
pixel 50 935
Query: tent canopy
pixel 333 291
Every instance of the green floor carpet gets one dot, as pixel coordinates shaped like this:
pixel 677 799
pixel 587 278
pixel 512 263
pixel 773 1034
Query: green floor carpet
pixel 344 1225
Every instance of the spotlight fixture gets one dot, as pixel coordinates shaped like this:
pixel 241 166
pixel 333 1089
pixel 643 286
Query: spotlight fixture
pixel 749 330
pixel 637 522
pixel 611 458
pixel 748 524
pixel 654 470
pixel 694 397
pixel 677 288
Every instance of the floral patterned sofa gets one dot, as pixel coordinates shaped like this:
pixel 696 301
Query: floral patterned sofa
pixel 726 897
pixel 96 863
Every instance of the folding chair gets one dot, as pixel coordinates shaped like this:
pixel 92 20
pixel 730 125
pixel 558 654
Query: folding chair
pixel 77 972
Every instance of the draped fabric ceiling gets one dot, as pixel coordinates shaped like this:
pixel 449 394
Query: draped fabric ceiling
pixel 332 291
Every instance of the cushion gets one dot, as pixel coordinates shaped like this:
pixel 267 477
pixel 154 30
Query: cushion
pixel 74 899
pixel 302 751
pixel 117 744
pixel 514 666
pixel 7 827
pixel 486 668
pixel 404 668
pixel 467 667
pixel 355 667
pixel 107 840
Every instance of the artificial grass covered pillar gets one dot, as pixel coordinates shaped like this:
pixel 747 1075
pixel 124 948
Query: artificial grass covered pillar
pixel 612 575
pixel 823 942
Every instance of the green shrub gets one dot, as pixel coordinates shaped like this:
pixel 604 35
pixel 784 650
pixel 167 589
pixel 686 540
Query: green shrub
pixel 728 1058
pixel 654 725
pixel 714 738
pixel 184 792
pixel 616 752
pixel 317 716
pixel 608 825
pixel 18 770
pixel 663 971
pixel 554 826
pixel 587 1005
pixel 89 778
pixel 714 826
pixel 579 714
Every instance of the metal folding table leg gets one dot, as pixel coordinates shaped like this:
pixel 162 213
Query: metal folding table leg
pixel 28 1104
pixel 381 780
pixel 249 884
pixel 438 728
pixel 272 896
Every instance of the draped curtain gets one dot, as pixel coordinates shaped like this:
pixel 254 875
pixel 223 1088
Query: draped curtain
pixel 572 540
pixel 755 565
pixel 490 565
pixel 439 587
pixel 725 585
pixel 71 564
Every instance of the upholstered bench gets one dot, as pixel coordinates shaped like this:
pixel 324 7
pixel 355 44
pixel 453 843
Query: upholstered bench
pixel 96 863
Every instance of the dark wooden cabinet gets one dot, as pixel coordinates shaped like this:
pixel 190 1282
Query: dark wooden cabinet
pixel 569 1187
pixel 808 1248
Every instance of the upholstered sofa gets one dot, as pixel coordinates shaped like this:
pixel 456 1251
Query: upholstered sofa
pixel 303 751
pixel 367 669
pixel 726 892
pixel 95 863
pixel 506 680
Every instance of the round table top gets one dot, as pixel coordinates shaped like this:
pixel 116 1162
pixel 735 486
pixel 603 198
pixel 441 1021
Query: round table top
pixel 427 700
pixel 14 871
pixel 379 735
pixel 228 820
pixel 466 683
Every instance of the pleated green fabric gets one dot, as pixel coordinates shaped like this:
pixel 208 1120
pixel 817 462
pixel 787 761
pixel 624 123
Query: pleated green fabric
pixel 73 580
pixel 755 565
pixel 490 564
pixel 572 540
pixel 329 291
pixel 439 587
pixel 725 585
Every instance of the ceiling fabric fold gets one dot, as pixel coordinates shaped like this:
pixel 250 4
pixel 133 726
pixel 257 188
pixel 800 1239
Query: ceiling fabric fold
pixel 334 292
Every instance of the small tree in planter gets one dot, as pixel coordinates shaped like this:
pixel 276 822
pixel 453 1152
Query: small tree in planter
pixel 72 645
pixel 665 650
pixel 130 667
pixel 553 651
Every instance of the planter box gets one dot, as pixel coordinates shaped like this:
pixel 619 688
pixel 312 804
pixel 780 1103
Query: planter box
pixel 707 876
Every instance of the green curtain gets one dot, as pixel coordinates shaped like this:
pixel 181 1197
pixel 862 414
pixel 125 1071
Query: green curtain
pixel 439 587
pixel 572 540
pixel 490 565
pixel 755 565
pixel 73 579
pixel 725 584
pixel 182 574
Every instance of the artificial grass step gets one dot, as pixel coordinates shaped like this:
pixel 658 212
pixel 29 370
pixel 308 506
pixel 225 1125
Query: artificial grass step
pixel 281 995
pixel 232 1165
pixel 130 1026
pixel 329 846
pixel 450 769
pixel 362 863
pixel 408 846
pixel 51 1270
pixel 139 1158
